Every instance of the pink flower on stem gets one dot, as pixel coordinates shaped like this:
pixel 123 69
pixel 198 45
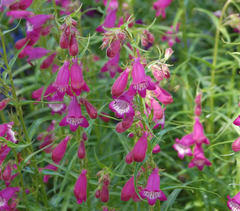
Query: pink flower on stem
pixel 18 14
pixel 74 117
pixel 48 61
pixel 62 80
pixel 163 96
pixel 7 194
pixel 129 158
pixel 3 103
pixel 104 193
pixel 160 7
pixel 81 150
pixel 120 83
pixel 140 149
pixel 199 160
pixel 236 145
pixel 109 21
pixel 237 121
pixel 128 191
pixel 152 191
pixel 4 150
pixel 91 110
pixel 77 81
pixel 73 45
pixel 112 66
pixel 140 82
pixel 234 203
pixel 59 150
pixel 58 108
pixel 125 124
pixel 80 188
pixel 198 133
pixel 156 149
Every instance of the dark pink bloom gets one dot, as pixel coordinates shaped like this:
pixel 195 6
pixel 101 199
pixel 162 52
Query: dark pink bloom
pixel 3 103
pixel 114 48
pixel 18 14
pixel 234 203
pixel 48 167
pixel 160 7
pixel 59 150
pixel 198 133
pixel 64 40
pixel 171 36
pixel 80 188
pixel 125 124
pixel 77 81
pixel 129 158
pixel 73 45
pixel 7 132
pixel 156 149
pixel 152 191
pixel 160 71
pixel 120 83
pixel 7 175
pixel 57 108
pixel 199 160
pixel 35 53
pixel 140 149
pixel 62 80
pixel 237 121
pixel 163 96
pixel 112 66
pixel 74 117
pixel 4 150
pixel 109 21
pixel 157 109
pixel 147 39
pixel 81 150
pixel 182 146
pixel 104 194
pixel 128 191
pixel 91 110
pixel 112 4
pixel 140 82
pixel 236 145
pixel 7 194
pixel 48 61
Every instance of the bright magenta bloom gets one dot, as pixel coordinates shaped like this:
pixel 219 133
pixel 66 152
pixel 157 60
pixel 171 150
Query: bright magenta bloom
pixel 156 149
pixel 62 80
pixel 128 191
pixel 74 117
pixel 109 21
pixel 198 133
pixel 237 121
pixel 59 150
pixel 199 160
pixel 112 66
pixel 234 203
pixel 48 61
pixel 140 149
pixel 182 146
pixel 120 83
pixel 81 150
pixel 152 191
pixel 160 7
pixel 7 194
pixel 104 194
pixel 236 145
pixel 80 189
pixel 163 96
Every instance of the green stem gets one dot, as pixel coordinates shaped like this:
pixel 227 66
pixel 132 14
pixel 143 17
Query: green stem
pixel 214 62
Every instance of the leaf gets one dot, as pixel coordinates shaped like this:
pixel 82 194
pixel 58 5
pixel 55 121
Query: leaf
pixel 170 201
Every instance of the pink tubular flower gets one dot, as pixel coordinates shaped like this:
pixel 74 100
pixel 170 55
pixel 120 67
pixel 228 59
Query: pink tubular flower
pixel 18 14
pixel 81 150
pixel 129 158
pixel 125 124
pixel 236 145
pixel 80 189
pixel 77 81
pixel 157 109
pixel 234 203
pixel 198 133
pixel 140 82
pixel 34 53
pixel 91 110
pixel 199 160
pixel 7 194
pixel 114 48
pixel 48 61
pixel 73 45
pixel 7 175
pixel 152 191
pixel 120 83
pixel 156 149
pixel 147 39
pixel 182 146
pixel 3 103
pixel 163 96
pixel 109 21
pixel 62 80
pixel 128 191
pixel 160 7
pixel 59 150
pixel 48 167
pixel 4 150
pixel 74 117
pixel 160 71
pixel 112 66
pixel 104 194
pixel 237 121
pixel 140 149
pixel 57 108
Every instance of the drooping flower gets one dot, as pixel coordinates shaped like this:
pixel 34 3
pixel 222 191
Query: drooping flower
pixel 104 193
pixel 80 188
pixel 58 108
pixel 59 150
pixel 160 7
pixel 147 39
pixel 81 150
pixel 73 45
pixel 74 117
pixel 128 191
pixel 120 83
pixel 7 194
pixel 48 61
pixel 109 21
pixel 112 66
pixel 91 110
pixel 163 96
pixel 62 80
pixel 234 203
pixel 199 160
pixel 152 191
pixel 237 121
pixel 140 82
pixel 236 145
pixel 140 149
pixel 198 133
pixel 156 149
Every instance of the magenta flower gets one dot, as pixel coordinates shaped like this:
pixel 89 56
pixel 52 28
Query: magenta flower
pixel 140 82
pixel 80 188
pixel 125 124
pixel 7 194
pixel 7 175
pixel 234 203
pixel 81 150
pixel 182 146
pixel 48 167
pixel 128 191
pixel 152 191
pixel 156 149
pixel 48 61
pixel 199 160
pixel 120 83
pixel 37 21
pixel 237 121
pixel 74 117
pixel 160 7
pixel 129 158
pixel 73 45
pixel 112 66
pixel 157 109
pixel 140 149
pixel 91 110
pixel 77 81
pixel 109 21
pixel 104 194
pixel 236 145
pixel 62 80
pixel 122 106
pixel 198 133
pixel 3 103
pixel 4 150
pixel 163 96
pixel 18 14
pixel 58 108
pixel 59 150
pixel 171 36
pixel 34 53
